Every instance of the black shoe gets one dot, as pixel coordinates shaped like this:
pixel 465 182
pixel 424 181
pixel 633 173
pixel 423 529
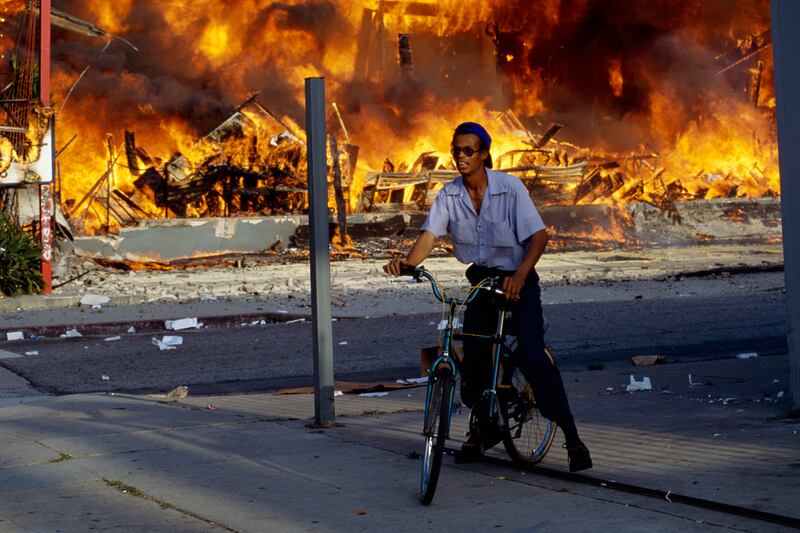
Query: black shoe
pixel 471 451
pixel 578 455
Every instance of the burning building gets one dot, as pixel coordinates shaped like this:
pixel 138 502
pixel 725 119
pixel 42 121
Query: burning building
pixel 191 109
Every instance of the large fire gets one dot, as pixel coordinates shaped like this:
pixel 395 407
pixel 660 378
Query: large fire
pixel 687 81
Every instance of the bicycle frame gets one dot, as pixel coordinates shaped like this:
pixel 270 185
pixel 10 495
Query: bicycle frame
pixel 498 341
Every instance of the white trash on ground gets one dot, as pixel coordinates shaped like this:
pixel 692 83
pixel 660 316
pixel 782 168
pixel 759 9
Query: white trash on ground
pixel 373 394
pixel 131 329
pixel 182 323
pixel 95 300
pixel 634 385
pixel 112 339
pixel 208 298
pixel 412 381
pixel 72 333
pixel 746 355
pixel 15 336
pixel 33 352
pixel 694 383
pixel 168 342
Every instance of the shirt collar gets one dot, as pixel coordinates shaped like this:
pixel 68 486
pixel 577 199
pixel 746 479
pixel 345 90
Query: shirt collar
pixel 492 189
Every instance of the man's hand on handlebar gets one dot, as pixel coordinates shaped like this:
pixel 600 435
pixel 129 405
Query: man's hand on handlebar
pixel 398 267
pixel 512 287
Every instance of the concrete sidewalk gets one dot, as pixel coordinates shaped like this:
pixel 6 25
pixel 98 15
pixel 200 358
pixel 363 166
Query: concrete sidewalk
pixel 250 463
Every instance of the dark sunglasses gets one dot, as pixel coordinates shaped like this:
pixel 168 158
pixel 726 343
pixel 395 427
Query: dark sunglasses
pixel 466 150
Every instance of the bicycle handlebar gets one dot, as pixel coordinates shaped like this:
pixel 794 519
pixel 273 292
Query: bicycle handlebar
pixel 419 272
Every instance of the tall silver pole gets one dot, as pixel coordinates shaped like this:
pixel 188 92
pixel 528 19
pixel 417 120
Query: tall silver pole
pixel 320 261
pixel 786 50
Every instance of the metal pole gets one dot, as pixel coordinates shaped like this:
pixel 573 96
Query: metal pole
pixel 46 203
pixel 786 50
pixel 320 261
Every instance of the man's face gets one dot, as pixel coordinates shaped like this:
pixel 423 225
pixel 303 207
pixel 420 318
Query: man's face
pixel 464 144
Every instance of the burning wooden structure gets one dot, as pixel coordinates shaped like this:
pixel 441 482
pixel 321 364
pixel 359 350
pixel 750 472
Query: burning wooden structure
pixel 640 128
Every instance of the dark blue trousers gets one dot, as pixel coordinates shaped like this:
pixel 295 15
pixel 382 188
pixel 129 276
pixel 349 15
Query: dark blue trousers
pixel 480 317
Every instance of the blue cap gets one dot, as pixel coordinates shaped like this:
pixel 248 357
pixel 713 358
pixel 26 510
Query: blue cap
pixel 480 131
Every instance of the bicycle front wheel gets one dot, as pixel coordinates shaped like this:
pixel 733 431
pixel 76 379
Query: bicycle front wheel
pixel 436 428
pixel 528 435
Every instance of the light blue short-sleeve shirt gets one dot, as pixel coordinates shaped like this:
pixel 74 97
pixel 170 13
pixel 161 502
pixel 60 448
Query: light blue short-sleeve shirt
pixel 497 236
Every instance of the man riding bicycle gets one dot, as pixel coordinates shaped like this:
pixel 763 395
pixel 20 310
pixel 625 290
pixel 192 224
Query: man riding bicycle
pixel 495 226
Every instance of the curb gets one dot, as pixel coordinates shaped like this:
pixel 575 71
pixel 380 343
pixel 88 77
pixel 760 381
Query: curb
pixel 142 326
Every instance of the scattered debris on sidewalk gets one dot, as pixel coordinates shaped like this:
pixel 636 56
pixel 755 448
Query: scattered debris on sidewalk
pixel 15 336
pixel 103 377
pixel 373 394
pixel 181 391
pixel 71 333
pixel 746 355
pixel 33 352
pixel 168 342
pixel 96 301
pixel 131 329
pixel 694 383
pixel 112 339
pixel 646 360
pixel 183 323
pixel 643 385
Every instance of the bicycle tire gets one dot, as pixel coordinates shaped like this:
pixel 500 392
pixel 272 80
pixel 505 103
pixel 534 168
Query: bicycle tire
pixel 527 435
pixel 435 433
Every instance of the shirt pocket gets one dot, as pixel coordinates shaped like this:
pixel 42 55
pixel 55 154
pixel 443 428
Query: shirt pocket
pixel 503 235
pixel 462 232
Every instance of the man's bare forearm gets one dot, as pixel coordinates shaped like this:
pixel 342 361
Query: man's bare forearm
pixel 421 248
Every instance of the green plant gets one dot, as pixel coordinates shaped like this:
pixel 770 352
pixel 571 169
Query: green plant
pixel 20 260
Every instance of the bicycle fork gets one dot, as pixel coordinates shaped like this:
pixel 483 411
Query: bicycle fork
pixel 447 359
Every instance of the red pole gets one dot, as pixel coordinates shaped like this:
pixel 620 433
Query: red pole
pixel 46 204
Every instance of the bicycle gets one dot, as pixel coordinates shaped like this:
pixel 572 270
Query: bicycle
pixel 509 403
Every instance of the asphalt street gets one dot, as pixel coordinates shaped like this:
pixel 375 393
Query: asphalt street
pixel 267 357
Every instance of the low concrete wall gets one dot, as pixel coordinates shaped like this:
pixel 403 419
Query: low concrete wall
pixel 719 221
pixel 182 238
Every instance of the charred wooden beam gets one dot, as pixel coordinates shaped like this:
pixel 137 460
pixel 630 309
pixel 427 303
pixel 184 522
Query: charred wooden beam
pixel 755 84
pixel 548 136
pixel 341 212
pixel 145 157
pixel 404 50
pixel 130 153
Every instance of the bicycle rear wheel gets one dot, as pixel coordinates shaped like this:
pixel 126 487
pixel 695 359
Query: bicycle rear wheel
pixel 528 435
pixel 435 432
